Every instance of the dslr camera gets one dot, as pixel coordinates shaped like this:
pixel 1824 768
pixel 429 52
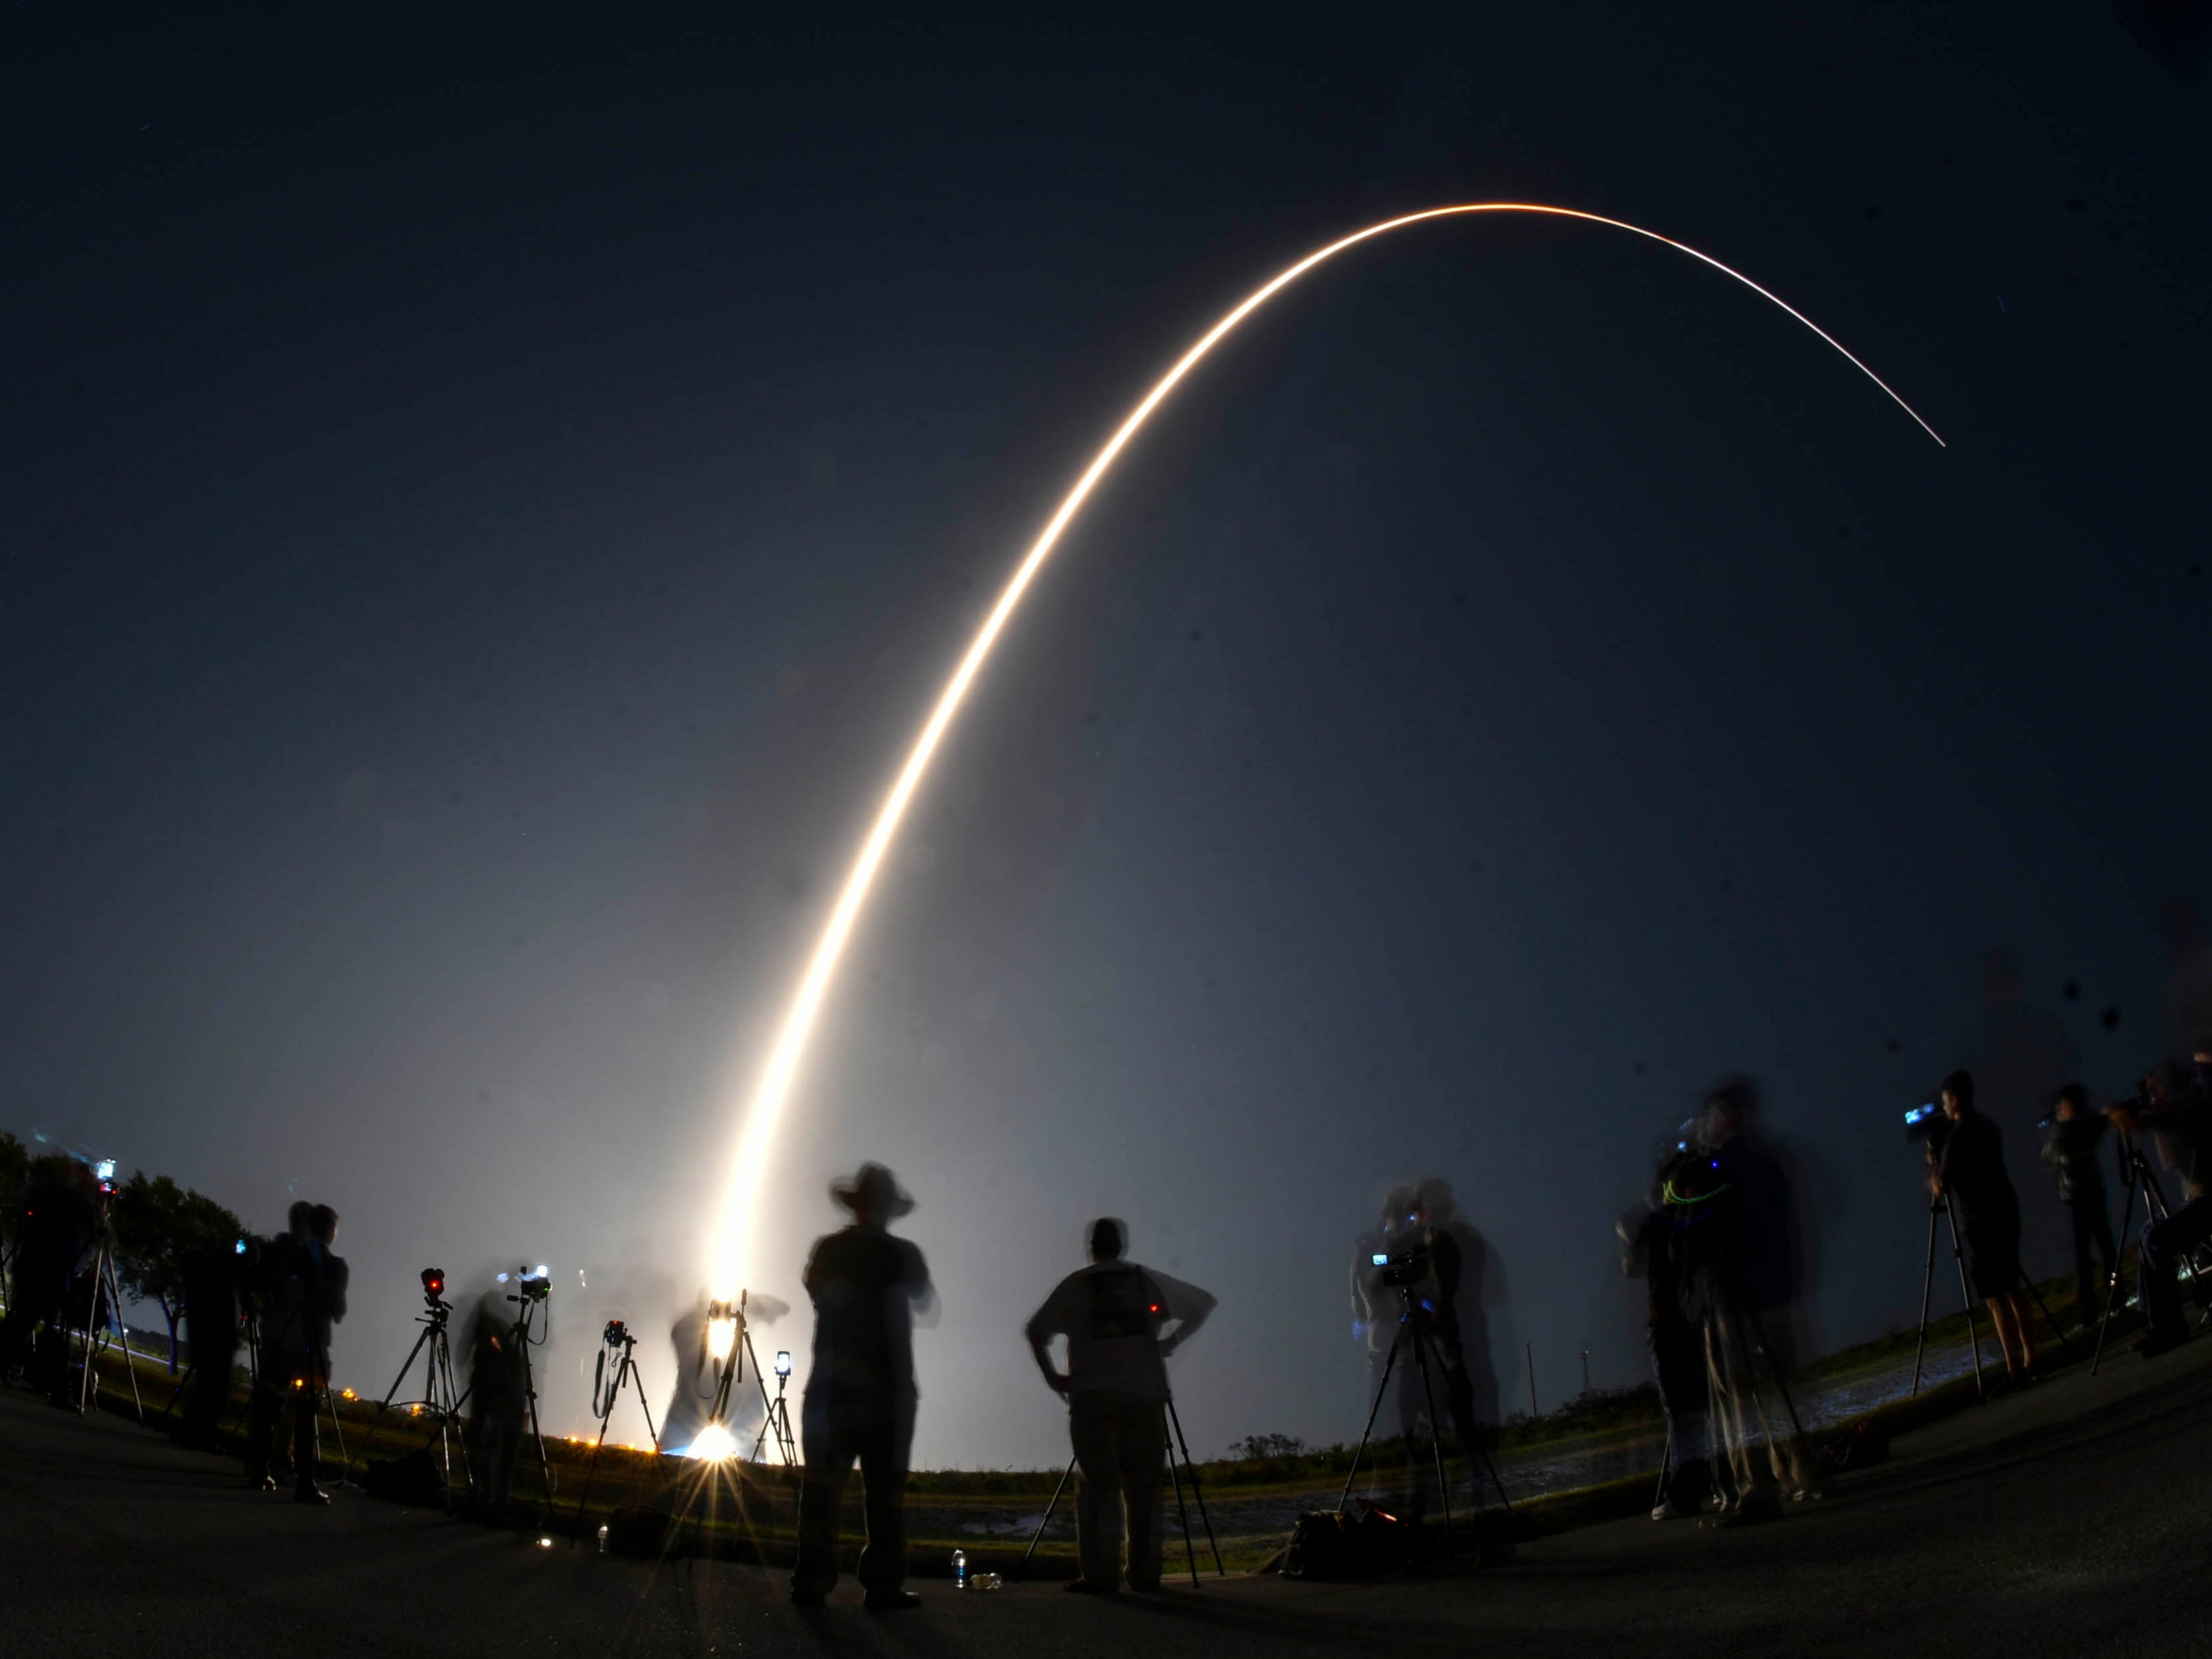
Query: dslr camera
pixel 533 1286
pixel 616 1333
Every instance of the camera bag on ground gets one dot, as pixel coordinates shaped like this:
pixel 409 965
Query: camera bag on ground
pixel 1329 1544
pixel 411 1479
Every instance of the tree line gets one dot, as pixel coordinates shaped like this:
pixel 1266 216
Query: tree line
pixel 154 1226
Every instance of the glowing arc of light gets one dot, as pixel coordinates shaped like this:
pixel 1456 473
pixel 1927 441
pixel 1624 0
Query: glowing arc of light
pixel 733 1241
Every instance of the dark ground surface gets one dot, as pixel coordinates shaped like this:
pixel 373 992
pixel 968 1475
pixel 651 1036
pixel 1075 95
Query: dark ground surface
pixel 2072 1517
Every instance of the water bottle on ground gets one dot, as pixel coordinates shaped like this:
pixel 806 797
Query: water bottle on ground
pixel 960 1569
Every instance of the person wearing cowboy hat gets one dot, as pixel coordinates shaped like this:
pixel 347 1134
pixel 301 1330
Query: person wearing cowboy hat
pixel 860 1398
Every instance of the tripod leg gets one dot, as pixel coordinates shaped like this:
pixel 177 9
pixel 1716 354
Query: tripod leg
pixel 591 1468
pixel 1175 1420
pixel 1373 1411
pixel 1973 1338
pixel 2112 1282
pixel 1189 1554
pixel 1045 1520
pixel 443 1351
pixel 1436 1428
pixel 1927 1284
pixel 644 1405
pixel 123 1336
pixel 84 1388
pixel 2064 1347
pixel 385 1405
pixel 178 1392
pixel 1666 1468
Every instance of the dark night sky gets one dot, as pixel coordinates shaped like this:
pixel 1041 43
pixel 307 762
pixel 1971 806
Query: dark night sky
pixel 483 514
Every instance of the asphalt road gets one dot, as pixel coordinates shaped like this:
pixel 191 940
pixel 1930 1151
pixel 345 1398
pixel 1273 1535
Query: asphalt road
pixel 2074 1518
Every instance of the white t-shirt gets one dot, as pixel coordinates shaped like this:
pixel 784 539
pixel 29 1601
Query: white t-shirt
pixel 1111 1313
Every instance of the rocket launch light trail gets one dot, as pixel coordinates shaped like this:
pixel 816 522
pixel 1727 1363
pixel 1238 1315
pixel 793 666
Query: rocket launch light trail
pixel 733 1247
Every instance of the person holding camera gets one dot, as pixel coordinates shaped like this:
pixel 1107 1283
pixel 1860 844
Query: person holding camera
pixel 2073 1133
pixel 1114 1315
pixel 1970 1172
pixel 861 1395
pixel 2177 1109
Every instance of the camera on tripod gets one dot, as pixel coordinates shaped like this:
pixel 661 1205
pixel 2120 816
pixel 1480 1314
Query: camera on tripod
pixel 616 1333
pixel 433 1284
pixel 532 1287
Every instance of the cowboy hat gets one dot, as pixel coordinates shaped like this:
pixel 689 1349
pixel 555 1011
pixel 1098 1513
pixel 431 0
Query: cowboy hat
pixel 874 1188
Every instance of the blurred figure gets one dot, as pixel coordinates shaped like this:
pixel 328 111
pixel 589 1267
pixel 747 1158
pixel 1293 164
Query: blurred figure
pixel 1656 1250
pixel 695 1379
pixel 56 1228
pixel 1113 1313
pixel 1736 1220
pixel 1375 1304
pixel 499 1398
pixel 1970 1171
pixel 2179 1113
pixel 861 1395
pixel 2069 1151
pixel 303 1290
pixel 212 1274
pixel 1442 1303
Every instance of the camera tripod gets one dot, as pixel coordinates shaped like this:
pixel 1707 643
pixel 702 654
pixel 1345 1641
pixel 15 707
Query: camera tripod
pixel 778 1420
pixel 103 1278
pixel 617 1340
pixel 1942 1207
pixel 2137 1176
pixel 1425 1348
pixel 440 1398
pixel 528 1303
pixel 1190 1555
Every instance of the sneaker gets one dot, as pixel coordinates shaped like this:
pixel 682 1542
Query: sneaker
pixel 1671 1511
pixel 890 1601
pixel 310 1495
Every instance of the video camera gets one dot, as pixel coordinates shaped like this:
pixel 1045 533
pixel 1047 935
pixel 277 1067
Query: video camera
pixel 433 1284
pixel 1927 1123
pixel 616 1333
pixel 1402 1269
pixel 534 1286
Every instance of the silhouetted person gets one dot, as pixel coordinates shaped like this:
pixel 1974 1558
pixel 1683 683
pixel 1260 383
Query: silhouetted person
pixel 861 1395
pixel 304 1294
pixel 499 1398
pixel 2179 1113
pixel 2070 1153
pixel 212 1276
pixel 1971 1171
pixel 57 1226
pixel 1114 1315
pixel 1739 1263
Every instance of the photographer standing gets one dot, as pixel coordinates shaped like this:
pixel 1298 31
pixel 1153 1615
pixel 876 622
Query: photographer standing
pixel 861 1395
pixel 2176 1109
pixel 304 1293
pixel 1112 1314
pixel 1970 1171
pixel 2070 1153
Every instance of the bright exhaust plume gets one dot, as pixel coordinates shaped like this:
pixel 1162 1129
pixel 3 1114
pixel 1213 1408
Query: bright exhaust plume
pixel 732 1250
